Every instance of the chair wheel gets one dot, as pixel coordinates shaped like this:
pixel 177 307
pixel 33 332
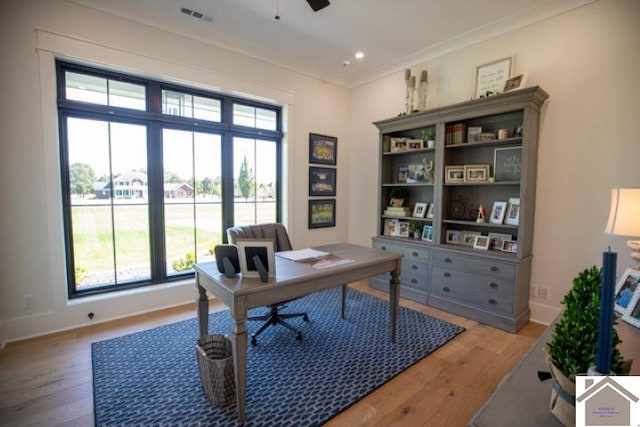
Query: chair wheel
pixel 305 318
pixel 299 336
pixel 254 341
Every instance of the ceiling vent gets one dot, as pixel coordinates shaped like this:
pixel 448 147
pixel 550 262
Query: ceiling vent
pixel 197 15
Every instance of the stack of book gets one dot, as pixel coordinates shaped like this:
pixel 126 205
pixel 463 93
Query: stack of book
pixel 398 211
pixel 455 134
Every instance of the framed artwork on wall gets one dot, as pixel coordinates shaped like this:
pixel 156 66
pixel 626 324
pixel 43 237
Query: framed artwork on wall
pixel 323 149
pixel 491 77
pixel 322 213
pixel 322 181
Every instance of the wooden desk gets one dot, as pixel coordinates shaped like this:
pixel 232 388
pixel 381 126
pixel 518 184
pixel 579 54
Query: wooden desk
pixel 293 280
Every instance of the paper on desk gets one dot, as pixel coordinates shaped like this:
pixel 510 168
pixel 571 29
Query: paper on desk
pixel 302 254
pixel 330 261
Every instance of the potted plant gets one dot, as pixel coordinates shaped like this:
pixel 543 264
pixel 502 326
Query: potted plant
pixel 573 345
pixel 415 227
pixel 397 196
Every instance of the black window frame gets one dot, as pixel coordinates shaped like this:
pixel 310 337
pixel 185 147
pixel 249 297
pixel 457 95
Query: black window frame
pixel 156 121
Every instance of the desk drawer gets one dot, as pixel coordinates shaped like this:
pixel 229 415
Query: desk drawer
pixel 453 261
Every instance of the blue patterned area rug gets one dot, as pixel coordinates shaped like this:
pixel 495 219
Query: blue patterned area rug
pixel 151 377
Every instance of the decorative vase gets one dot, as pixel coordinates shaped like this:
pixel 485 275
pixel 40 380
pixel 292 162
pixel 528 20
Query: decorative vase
pixel 563 396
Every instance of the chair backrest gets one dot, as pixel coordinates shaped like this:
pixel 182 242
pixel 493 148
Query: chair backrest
pixel 275 231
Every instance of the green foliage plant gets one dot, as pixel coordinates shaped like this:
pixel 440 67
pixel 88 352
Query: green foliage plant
pixel 574 342
pixel 185 263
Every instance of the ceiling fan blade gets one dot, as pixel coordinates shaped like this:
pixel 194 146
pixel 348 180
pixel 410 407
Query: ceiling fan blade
pixel 316 5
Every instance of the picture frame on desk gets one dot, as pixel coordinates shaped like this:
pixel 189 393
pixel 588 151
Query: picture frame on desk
pixel 263 249
pixel 323 149
pixel 627 287
pixel 632 315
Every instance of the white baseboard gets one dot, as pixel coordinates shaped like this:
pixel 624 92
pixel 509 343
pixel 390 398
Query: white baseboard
pixel 542 313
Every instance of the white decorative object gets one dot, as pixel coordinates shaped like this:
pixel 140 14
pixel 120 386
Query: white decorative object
pixel 422 94
pixel 407 79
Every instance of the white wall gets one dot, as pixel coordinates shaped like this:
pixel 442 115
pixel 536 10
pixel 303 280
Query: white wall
pixel 588 61
pixel 31 239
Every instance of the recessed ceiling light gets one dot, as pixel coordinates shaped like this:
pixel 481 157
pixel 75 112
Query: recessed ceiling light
pixel 359 55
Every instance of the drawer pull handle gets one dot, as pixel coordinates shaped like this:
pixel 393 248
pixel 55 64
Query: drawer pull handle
pixel 415 254
pixel 414 281
pixel 493 285
pixel 447 259
pixel 446 289
pixel 494 268
pixel 414 267
pixel 447 274
pixel 492 301
pixel 384 248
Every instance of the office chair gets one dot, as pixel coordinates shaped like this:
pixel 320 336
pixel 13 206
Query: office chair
pixel 281 241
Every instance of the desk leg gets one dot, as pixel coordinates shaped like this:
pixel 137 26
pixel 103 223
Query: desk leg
pixel 344 299
pixel 239 342
pixel 394 296
pixel 202 304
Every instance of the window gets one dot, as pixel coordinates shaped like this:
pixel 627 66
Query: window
pixel 146 188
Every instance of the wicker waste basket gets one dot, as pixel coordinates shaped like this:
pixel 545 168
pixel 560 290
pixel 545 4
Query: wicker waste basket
pixel 216 368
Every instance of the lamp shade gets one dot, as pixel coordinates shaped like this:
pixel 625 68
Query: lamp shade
pixel 624 216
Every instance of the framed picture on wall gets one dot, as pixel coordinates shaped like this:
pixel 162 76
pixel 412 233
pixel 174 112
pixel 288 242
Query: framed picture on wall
pixel 322 213
pixel 323 149
pixel 322 181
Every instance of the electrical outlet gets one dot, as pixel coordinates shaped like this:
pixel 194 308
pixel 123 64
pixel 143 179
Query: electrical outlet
pixel 28 300
pixel 533 290
pixel 543 291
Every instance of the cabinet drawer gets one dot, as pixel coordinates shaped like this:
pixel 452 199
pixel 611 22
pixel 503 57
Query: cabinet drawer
pixel 409 252
pixel 453 261
pixel 415 275
pixel 472 283
pixel 455 291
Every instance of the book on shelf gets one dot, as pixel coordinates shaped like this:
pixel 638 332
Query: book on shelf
pixel 455 134
pixel 397 213
pixel 398 208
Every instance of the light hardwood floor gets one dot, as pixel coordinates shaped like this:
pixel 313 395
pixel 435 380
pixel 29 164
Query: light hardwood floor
pixel 47 381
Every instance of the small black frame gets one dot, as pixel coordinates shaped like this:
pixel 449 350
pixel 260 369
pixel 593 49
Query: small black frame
pixel 323 149
pixel 322 213
pixel 322 181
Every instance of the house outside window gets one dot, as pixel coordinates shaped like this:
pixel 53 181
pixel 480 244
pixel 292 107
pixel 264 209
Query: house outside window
pixel 153 173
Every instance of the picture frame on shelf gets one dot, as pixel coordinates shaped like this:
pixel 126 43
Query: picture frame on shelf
pixel 427 233
pixel 469 237
pixel 512 217
pixel 403 228
pixel 481 242
pixel 323 149
pixel 322 213
pixel 507 164
pixel 420 210
pixel 430 210
pixel 391 227
pixel 453 174
pixel 496 239
pixel 415 144
pixel 403 174
pixel 498 212
pixel 515 83
pixel 491 77
pixel 417 173
pixel 322 181
pixel 473 133
pixel 263 249
pixel 454 237
pixel 476 173
pixel 397 145
pixel 510 246
pixel 626 288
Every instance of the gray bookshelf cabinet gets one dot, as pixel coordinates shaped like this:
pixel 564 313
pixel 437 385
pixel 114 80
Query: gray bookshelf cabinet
pixel 485 153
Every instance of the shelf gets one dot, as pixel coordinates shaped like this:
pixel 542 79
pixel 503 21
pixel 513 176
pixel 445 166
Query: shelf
pixel 420 150
pixel 489 143
pixel 408 218
pixel 482 224
pixel 409 184
pixel 460 184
